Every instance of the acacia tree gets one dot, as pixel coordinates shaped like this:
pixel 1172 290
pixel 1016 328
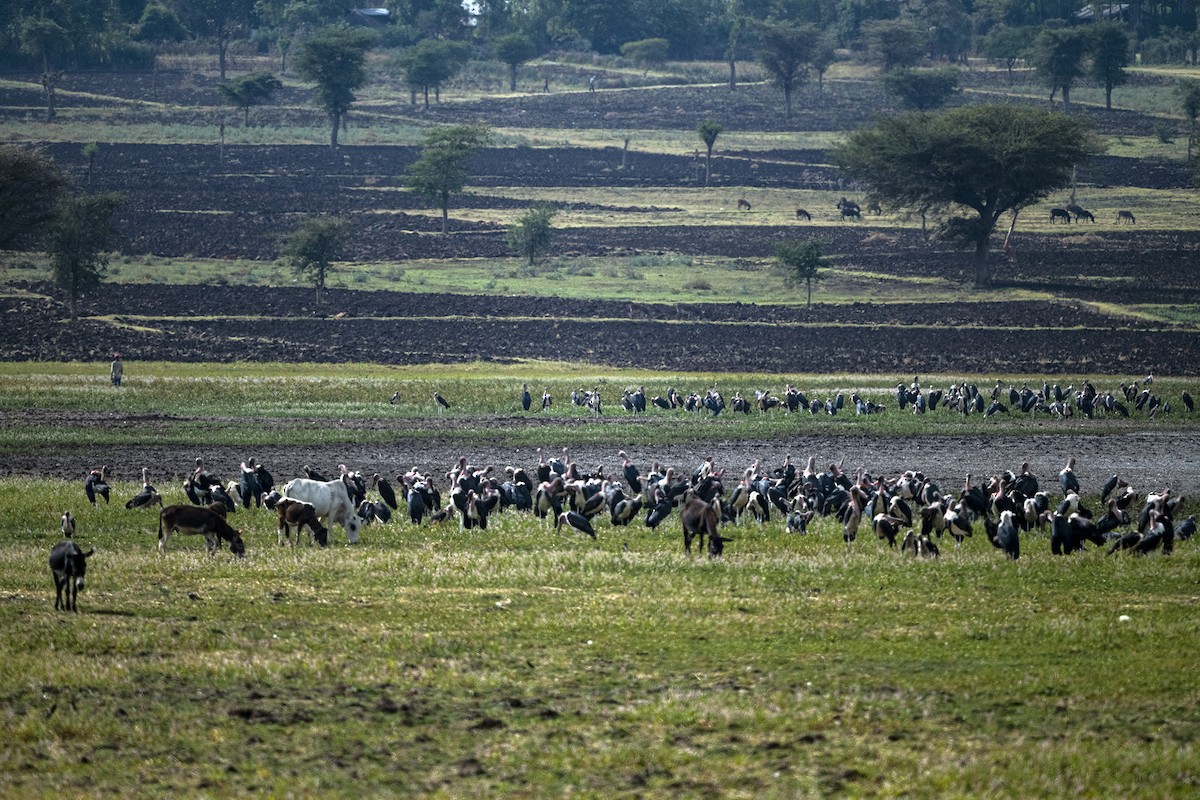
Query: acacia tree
pixel 921 89
pixel 895 43
pixel 784 51
pixel 312 247
pixel 80 238
pixel 1006 45
pixel 646 52
pixel 441 169
pixel 800 262
pixel 514 49
pixel 254 89
pixel 1110 57
pixel 1057 58
pixel 45 39
pixel 984 159
pixel 430 62
pixel 1189 100
pixel 708 131
pixel 532 233
pixel 223 19
pixel 335 60
pixel 30 187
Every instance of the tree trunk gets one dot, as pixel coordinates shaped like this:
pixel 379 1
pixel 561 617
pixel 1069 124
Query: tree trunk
pixel 787 103
pixel 1108 97
pixel 337 123
pixel 707 166
pixel 809 282
pixel 445 212
pixel 983 267
pixel 222 46
pixel 246 117
pixel 426 97
pixel 72 306
pixel 732 74
pixel 1066 99
pixel 512 77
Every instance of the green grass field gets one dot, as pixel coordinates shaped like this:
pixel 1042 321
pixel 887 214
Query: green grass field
pixel 524 662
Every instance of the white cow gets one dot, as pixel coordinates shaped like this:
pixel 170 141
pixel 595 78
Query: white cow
pixel 331 500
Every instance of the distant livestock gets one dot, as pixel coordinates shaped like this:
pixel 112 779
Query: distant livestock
pixel 1057 214
pixel 743 204
pixel 1125 217
pixel 1080 213
pixel 802 214
pixel 332 502
pixel 849 209
pixel 69 565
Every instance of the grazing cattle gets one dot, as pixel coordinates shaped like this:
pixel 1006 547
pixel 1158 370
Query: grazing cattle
pixel 802 214
pixel 299 514
pixel 1057 214
pixel 332 501
pixel 875 209
pixel 743 204
pixel 1125 217
pixel 69 565
pixel 190 519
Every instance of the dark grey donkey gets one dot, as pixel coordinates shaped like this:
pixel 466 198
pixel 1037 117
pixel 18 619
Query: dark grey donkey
pixel 69 565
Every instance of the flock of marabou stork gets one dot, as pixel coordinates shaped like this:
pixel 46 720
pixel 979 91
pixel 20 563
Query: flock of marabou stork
pixel 909 507
pixel 962 398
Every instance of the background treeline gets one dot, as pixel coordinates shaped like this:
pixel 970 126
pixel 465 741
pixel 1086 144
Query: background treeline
pixel 126 34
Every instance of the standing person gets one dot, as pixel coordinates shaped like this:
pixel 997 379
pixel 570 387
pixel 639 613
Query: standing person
pixel 117 370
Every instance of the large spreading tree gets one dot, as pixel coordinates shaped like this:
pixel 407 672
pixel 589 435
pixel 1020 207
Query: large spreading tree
pixel 311 248
pixel 335 59
pixel 514 49
pixel 1057 57
pixel 441 169
pixel 1110 57
pixel 975 163
pixel 254 89
pixel 785 52
pixel 80 239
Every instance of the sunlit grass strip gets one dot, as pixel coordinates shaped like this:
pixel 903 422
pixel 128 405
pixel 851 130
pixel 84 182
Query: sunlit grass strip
pixel 270 405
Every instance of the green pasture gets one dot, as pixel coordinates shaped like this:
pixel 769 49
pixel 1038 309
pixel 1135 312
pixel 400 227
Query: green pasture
pixel 256 405
pixel 526 662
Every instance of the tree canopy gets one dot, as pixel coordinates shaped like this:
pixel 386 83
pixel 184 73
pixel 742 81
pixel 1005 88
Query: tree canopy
pixel 985 159
pixel 30 187
pixel 800 262
pixel 784 51
pixel 441 169
pixel 312 247
pixel 532 233
pixel 335 60
pixel 921 89
pixel 250 90
pixel 429 62
pixel 1110 56
pixel 80 237
pixel 514 49
pixel 708 130
pixel 1057 57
